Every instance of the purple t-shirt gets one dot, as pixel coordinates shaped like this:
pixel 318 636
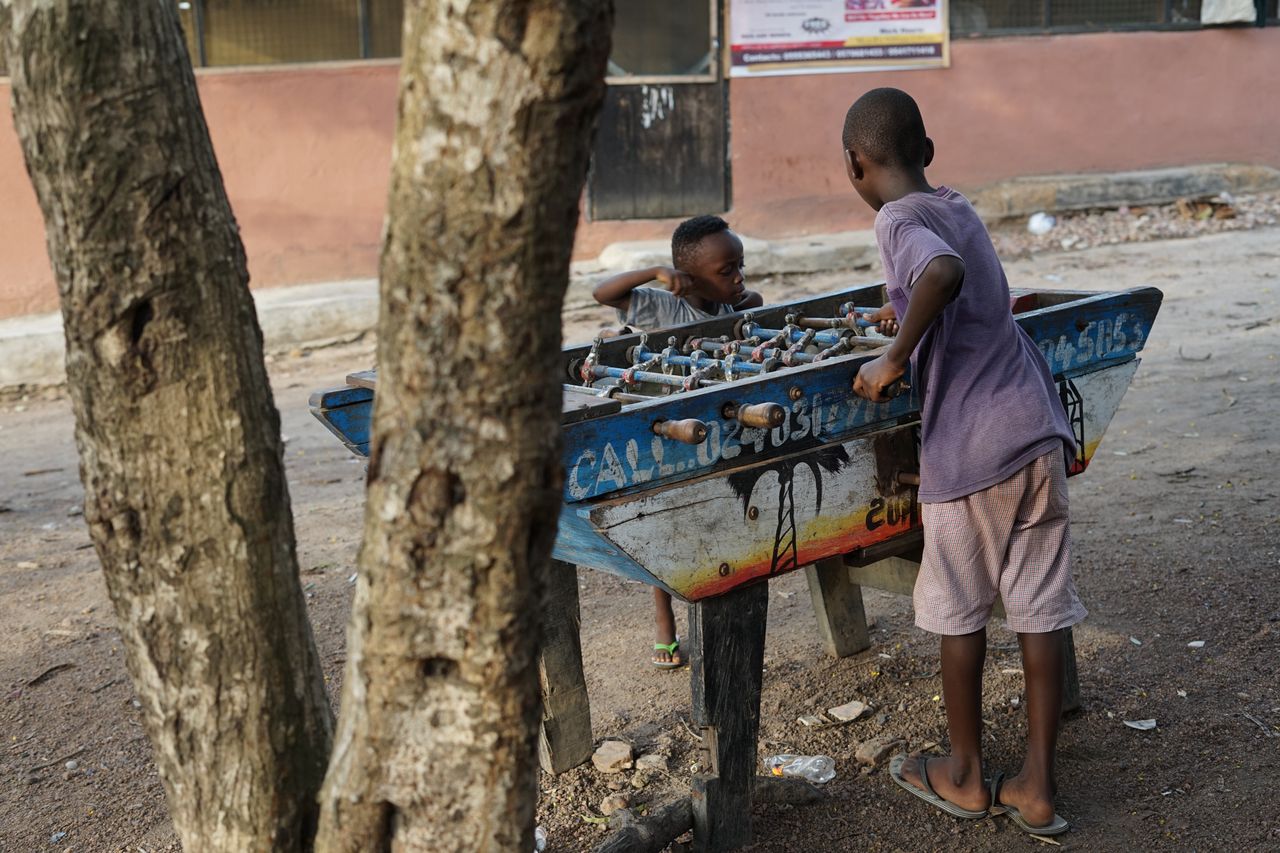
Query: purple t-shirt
pixel 988 402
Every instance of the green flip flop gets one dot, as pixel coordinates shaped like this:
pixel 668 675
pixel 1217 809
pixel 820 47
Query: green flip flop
pixel 671 649
pixel 1057 826
pixel 927 793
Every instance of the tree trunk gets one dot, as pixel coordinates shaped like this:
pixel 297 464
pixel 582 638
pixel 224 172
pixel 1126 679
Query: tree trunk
pixel 178 435
pixel 435 747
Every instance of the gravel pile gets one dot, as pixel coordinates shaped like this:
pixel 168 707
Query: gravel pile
pixel 1185 218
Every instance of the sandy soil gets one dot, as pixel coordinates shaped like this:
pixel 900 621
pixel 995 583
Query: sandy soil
pixel 1177 530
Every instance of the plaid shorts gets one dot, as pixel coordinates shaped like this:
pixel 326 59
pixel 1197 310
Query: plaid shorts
pixel 1011 540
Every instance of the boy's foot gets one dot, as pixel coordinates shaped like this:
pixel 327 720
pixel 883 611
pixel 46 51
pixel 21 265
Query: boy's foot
pixel 1028 805
pixel 970 794
pixel 667 655
pixel 666 646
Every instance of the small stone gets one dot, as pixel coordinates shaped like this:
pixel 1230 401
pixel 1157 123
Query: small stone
pixel 57 836
pixel 881 719
pixel 613 756
pixel 651 761
pixel 614 803
pixel 72 764
pixel 33 778
pixel 614 785
pixel 849 711
pixel 874 752
pixel 902 706
pixel 639 779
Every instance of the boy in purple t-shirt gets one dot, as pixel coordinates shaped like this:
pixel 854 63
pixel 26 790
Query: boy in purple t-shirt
pixel 992 468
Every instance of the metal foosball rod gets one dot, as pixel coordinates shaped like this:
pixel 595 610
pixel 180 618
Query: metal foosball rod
pixel 848 320
pixel 748 329
pixel 848 308
pixel 845 343
pixel 632 377
pixel 694 362
pixel 720 349
pixel 772 358
pixel 826 337
pixel 615 392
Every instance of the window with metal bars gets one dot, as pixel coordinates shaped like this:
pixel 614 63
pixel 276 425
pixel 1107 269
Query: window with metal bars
pixel 256 32
pixel 1020 17
pixel 249 32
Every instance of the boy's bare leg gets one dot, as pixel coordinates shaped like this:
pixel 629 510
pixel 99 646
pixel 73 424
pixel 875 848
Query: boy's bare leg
pixel 1032 791
pixel 957 778
pixel 664 621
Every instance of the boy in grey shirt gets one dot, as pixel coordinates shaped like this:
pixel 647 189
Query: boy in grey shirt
pixel 704 281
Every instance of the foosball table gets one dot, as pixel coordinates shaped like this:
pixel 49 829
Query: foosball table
pixel 707 458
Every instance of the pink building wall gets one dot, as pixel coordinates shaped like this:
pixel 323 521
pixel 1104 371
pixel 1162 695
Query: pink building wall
pixel 305 150
pixel 305 153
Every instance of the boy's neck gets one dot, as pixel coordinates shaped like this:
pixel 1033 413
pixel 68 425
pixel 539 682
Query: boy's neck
pixel 702 303
pixel 901 183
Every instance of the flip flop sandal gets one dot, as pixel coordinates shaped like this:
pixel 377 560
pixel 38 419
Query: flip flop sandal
pixel 927 793
pixel 1057 826
pixel 671 649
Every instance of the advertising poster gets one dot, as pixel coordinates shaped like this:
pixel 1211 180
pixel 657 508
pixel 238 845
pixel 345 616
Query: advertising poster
pixel 830 36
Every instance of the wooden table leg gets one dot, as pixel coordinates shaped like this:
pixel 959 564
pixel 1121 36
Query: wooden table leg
pixel 837 602
pixel 726 634
pixel 564 739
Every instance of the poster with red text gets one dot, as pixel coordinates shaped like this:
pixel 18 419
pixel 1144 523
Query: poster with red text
pixel 769 37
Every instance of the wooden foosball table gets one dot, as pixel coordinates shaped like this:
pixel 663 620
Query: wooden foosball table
pixel 707 458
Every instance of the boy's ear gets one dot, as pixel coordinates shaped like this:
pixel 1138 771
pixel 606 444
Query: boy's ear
pixel 928 151
pixel 852 166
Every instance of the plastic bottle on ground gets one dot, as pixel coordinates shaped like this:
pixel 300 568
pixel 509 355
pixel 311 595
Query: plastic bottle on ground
pixel 1041 223
pixel 818 769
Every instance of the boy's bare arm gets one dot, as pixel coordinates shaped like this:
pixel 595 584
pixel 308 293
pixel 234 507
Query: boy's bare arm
pixel 616 290
pixel 933 290
pixel 750 299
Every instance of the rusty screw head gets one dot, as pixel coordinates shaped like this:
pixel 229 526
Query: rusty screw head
pixel 724 570
pixel 794 392
pixel 753 513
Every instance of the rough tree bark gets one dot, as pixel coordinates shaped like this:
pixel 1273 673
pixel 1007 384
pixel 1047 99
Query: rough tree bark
pixel 177 432
pixel 435 748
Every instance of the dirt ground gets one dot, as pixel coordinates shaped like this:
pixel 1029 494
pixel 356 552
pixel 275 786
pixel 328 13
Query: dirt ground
pixel 1177 532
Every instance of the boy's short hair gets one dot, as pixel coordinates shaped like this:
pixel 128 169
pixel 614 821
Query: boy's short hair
pixel 689 234
pixel 886 125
